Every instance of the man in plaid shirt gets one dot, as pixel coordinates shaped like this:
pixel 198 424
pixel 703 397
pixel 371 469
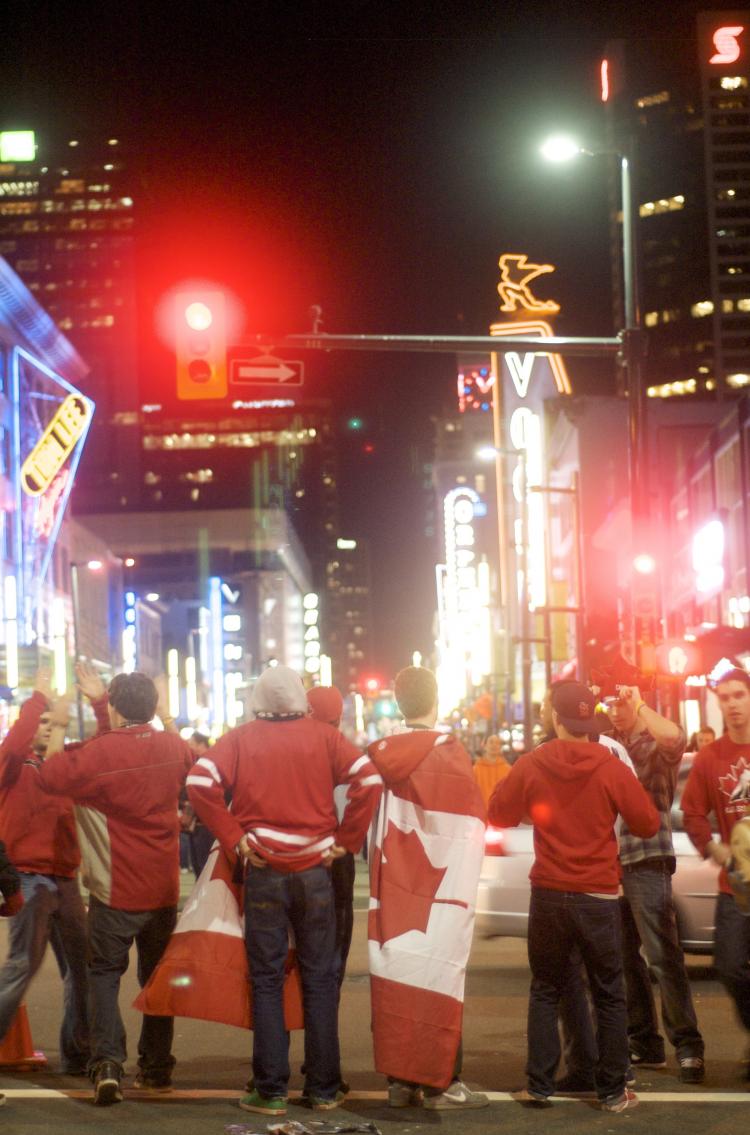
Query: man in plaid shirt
pixel 655 745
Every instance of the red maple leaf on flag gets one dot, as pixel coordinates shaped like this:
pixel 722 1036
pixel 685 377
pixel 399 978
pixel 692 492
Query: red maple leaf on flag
pixel 407 885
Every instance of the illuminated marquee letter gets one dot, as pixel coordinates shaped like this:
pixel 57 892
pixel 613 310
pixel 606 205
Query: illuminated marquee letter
pixel 725 42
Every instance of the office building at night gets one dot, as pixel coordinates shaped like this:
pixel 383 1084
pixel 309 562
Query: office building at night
pixel 681 107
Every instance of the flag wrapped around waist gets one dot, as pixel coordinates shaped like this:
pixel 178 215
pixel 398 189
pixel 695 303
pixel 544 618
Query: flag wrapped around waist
pixel 426 853
pixel 204 972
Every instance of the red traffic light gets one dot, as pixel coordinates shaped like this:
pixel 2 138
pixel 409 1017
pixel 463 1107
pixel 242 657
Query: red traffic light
pixel 201 344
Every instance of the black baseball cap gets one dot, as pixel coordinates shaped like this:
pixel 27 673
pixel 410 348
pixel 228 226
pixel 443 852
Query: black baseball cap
pixel 575 705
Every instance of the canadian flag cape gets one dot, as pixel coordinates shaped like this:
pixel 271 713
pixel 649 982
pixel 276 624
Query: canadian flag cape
pixel 426 850
pixel 204 972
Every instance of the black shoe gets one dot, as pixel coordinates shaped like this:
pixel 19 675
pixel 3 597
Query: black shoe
pixel 107 1084
pixel 653 1060
pixel 576 1084
pixel 692 1069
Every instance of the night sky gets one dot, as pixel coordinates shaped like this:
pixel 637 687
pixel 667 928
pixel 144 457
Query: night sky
pixel 374 158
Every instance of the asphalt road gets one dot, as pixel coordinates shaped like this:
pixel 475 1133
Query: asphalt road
pixel 213 1064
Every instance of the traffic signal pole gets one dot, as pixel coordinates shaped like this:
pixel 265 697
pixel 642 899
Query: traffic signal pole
pixel 440 344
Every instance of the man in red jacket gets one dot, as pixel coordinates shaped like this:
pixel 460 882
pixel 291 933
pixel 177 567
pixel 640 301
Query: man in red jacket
pixel 719 782
pixel 40 836
pixel 126 784
pixel 573 790
pixel 282 769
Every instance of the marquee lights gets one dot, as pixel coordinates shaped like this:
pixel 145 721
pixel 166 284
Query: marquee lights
pixel 311 648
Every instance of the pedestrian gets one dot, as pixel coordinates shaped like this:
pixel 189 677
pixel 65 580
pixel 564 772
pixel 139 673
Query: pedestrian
pixel 655 745
pixel 281 769
pixel 426 853
pixel 327 705
pixel 200 838
pixel 125 784
pixel 573 790
pixel 702 737
pixel 490 767
pixel 10 889
pixel 41 841
pixel 719 784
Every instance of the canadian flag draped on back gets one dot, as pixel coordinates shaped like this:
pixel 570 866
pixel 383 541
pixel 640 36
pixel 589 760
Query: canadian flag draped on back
pixel 426 852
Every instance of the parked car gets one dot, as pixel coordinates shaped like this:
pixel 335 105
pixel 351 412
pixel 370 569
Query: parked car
pixel 503 894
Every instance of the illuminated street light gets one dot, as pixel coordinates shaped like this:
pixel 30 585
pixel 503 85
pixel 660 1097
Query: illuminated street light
pixel 562 148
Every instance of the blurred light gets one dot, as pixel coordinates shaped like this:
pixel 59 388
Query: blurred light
pixel 354 424
pixel 487 453
pixel 173 681
pixel 346 545
pixel 310 601
pixel 708 558
pixel 560 148
pixel 604 78
pixel 198 316
pixel 17 146
pixel 232 623
pixel 95 565
pixel 152 596
pixel 644 563
pixel 416 658
pixel 129 562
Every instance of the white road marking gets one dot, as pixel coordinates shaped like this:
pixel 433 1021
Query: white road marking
pixel 736 1097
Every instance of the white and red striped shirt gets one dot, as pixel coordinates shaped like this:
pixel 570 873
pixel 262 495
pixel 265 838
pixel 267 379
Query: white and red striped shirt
pixel 281 775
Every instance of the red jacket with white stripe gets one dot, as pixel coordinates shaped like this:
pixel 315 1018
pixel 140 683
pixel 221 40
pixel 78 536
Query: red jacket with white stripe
pixel 39 830
pixel 281 775
pixel 125 784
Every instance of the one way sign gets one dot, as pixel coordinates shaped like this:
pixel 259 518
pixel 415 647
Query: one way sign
pixel 264 370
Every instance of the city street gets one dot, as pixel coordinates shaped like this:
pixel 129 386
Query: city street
pixel 213 1064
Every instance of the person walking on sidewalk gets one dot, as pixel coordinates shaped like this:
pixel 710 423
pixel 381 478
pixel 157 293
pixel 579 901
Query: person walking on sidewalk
pixel 573 790
pixel 281 770
pixel 655 745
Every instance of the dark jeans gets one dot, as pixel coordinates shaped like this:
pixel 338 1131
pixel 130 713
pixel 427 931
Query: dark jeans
pixel 201 842
pixel 111 933
pixel 53 912
pixel 649 921
pixel 732 953
pixel 561 922
pixel 579 1040
pixel 342 879
pixel 302 901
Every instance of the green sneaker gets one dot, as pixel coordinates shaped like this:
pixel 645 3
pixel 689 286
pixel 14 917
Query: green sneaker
pixel 254 1101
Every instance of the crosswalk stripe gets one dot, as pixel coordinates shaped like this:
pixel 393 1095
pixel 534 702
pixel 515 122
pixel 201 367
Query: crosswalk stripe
pixel 736 1097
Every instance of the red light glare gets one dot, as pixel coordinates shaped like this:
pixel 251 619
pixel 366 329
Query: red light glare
pixel 198 316
pixel 372 684
pixel 644 563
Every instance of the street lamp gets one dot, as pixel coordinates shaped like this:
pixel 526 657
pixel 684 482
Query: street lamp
pixel 561 148
pixel 90 565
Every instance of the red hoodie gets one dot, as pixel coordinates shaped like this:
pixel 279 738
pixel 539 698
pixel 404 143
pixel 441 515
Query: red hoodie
pixel 39 830
pixel 573 791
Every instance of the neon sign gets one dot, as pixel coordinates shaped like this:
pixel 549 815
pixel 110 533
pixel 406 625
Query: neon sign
pixel 516 274
pixel 725 42
pixel 708 558
pixel 68 425
pixel 604 77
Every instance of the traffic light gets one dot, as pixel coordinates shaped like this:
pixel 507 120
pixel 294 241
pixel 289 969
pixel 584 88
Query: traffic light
pixel 201 344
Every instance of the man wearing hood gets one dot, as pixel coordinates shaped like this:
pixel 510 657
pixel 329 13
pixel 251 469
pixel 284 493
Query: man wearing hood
pixel 573 790
pixel 281 770
pixel 425 857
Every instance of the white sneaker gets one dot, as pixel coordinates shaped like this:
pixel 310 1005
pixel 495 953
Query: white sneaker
pixel 454 1097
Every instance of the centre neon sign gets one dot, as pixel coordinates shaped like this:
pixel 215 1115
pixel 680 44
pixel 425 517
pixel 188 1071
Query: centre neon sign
pixel 68 425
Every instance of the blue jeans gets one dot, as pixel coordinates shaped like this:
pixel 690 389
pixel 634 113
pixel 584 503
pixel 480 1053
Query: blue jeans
pixel 563 927
pixel 111 933
pixel 732 953
pixel 302 901
pixel 649 922
pixel 53 912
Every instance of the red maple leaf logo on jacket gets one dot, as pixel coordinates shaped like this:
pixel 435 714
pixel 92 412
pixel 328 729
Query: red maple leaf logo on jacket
pixel 408 886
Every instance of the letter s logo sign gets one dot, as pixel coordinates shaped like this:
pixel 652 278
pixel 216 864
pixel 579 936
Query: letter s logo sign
pixel 727 47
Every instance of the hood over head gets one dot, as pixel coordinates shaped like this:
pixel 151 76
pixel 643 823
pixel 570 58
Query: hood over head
pixel 571 760
pixel 279 693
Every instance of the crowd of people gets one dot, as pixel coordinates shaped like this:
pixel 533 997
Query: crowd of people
pixel 288 802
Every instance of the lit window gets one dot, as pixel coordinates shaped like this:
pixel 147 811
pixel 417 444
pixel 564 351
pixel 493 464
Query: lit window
pixel 663 205
pixel 740 379
pixel 703 307
pixel 733 82
pixel 727 306
pixel 743 305
pixel 651 318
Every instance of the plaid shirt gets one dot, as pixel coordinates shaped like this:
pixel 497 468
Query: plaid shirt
pixel 656 767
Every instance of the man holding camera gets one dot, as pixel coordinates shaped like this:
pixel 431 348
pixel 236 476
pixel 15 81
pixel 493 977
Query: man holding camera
pixel 655 745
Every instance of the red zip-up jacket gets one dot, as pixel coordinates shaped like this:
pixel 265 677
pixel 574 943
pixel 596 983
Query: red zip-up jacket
pixel 282 775
pixel 718 782
pixel 125 784
pixel 39 830
pixel 573 791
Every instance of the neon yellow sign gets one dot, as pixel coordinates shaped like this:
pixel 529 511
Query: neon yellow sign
pixel 516 275
pixel 55 445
